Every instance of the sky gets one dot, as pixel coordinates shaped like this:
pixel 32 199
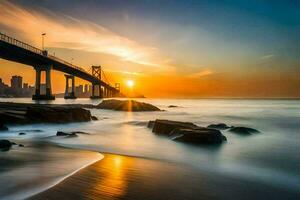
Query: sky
pixel 182 49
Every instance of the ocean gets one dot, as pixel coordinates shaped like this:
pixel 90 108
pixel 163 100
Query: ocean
pixel 270 157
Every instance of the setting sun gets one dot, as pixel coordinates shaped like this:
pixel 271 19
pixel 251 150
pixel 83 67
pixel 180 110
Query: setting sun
pixel 130 83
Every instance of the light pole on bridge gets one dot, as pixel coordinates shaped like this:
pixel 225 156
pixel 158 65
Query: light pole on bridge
pixel 43 35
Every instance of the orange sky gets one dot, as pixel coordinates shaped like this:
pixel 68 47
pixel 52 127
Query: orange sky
pixel 158 69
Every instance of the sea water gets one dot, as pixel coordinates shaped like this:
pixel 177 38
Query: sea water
pixel 270 157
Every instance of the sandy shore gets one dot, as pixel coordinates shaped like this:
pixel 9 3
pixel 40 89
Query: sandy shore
pixel 123 177
pixel 28 170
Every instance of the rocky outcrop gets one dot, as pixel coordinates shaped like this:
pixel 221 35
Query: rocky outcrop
pixel 15 113
pixel 94 118
pixel 165 127
pixel 3 128
pixel 199 136
pixel 220 126
pixel 5 144
pixel 22 133
pixel 70 134
pixel 58 114
pixel 243 130
pixel 186 132
pixel 126 105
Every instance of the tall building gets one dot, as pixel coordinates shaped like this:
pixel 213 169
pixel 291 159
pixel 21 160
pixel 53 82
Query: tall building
pixel 16 82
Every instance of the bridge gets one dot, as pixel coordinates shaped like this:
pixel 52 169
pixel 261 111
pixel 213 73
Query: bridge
pixel 17 51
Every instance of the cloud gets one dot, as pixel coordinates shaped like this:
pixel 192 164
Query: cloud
pixel 267 57
pixel 68 32
pixel 205 72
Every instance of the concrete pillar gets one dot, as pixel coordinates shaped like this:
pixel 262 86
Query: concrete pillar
pixel 67 85
pixel 38 95
pixel 100 92
pixel 48 82
pixel 37 81
pixel 70 95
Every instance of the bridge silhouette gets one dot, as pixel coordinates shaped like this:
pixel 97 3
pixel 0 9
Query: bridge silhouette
pixel 17 51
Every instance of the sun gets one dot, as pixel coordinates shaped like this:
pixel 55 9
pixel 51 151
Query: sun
pixel 130 83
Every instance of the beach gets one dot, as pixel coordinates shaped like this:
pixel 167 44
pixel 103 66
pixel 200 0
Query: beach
pixel 120 158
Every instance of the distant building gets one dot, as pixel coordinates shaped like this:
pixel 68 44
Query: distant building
pixel 16 82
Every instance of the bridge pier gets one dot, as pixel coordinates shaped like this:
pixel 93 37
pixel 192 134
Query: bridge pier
pixel 94 95
pixel 48 95
pixel 70 95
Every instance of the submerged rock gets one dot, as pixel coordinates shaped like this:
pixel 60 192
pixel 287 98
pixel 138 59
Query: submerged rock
pixel 187 132
pixel 3 128
pixel 243 130
pixel 172 106
pixel 199 136
pixel 5 144
pixel 165 127
pixel 61 133
pixel 21 145
pixel 150 124
pixel 220 126
pixel 22 133
pixel 126 105
pixel 94 118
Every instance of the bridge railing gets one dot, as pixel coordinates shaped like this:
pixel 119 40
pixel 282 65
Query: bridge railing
pixel 67 63
pixel 19 43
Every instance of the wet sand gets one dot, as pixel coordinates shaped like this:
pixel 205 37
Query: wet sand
pixel 28 170
pixel 123 177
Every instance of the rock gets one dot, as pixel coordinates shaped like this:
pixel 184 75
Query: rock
pixel 165 127
pixel 5 144
pixel 126 105
pixel 150 124
pixel 94 118
pixel 79 132
pixel 3 128
pixel 187 132
pixel 61 133
pixel 243 130
pixel 172 106
pixel 199 136
pixel 22 133
pixel 220 126
pixel 21 145
pixel 58 114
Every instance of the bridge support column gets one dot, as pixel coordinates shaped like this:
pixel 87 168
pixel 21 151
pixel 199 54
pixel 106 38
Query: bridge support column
pixel 70 95
pixel 48 95
pixel 94 95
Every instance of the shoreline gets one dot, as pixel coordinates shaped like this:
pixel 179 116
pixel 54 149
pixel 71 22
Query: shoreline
pixel 129 177
pixel 38 166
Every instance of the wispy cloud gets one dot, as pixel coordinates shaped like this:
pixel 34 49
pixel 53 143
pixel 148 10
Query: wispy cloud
pixel 202 73
pixel 68 32
pixel 267 57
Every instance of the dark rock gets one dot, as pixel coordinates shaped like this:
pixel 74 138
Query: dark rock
pixel 22 133
pixel 220 126
pixel 199 136
pixel 79 132
pixel 58 114
pixel 5 144
pixel 94 118
pixel 172 106
pixel 3 128
pixel 13 143
pixel 61 133
pixel 21 145
pixel 165 127
pixel 243 130
pixel 187 132
pixel 150 124
pixel 126 105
